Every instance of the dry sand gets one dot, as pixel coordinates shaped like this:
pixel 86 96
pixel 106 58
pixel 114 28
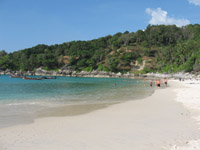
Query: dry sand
pixel 189 95
pixel 154 123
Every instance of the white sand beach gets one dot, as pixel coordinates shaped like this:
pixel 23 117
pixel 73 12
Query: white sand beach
pixel 189 95
pixel 169 120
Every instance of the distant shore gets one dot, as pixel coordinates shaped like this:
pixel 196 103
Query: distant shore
pixel 156 122
pixel 69 72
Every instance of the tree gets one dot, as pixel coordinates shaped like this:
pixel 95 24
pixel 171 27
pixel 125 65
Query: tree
pixel 3 53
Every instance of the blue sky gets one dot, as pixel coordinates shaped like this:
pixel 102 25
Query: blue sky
pixel 26 23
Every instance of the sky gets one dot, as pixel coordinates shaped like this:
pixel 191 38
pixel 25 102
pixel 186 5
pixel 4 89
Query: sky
pixel 27 23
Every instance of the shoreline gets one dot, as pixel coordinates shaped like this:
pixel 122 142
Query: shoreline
pixel 72 110
pixel 68 72
pixel 155 122
pixel 82 109
pixel 41 110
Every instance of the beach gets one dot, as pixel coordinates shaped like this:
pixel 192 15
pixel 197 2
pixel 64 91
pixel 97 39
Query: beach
pixel 168 120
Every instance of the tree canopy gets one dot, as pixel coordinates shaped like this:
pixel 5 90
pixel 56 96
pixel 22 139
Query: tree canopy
pixel 165 48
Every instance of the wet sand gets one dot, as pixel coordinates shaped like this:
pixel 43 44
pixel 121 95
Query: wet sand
pixel 71 110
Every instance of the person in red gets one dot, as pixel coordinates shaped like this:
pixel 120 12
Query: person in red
pixel 165 81
pixel 158 83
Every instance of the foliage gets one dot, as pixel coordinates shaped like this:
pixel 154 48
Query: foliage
pixel 2 53
pixel 171 49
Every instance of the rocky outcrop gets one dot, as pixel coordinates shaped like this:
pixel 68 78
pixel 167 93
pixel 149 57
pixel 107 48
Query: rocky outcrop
pixel 68 71
pixel 41 72
pixel 178 75
pixel 65 71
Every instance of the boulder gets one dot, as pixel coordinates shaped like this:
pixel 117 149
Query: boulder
pixel 66 70
pixel 119 74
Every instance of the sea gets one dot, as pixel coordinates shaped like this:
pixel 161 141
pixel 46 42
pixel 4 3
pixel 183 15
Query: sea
pixel 21 99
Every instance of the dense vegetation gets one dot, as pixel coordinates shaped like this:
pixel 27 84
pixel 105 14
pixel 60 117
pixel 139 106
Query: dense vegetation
pixel 163 48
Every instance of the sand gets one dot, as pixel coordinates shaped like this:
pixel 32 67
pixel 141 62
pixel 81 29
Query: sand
pixel 189 95
pixel 71 110
pixel 161 121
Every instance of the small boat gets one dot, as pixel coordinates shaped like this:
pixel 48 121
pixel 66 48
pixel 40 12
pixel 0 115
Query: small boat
pixel 31 78
pixel 49 77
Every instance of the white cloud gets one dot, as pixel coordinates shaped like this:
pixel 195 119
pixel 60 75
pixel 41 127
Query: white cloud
pixel 159 16
pixel 195 2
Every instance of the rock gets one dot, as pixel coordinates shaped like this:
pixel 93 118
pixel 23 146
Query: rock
pixel 40 71
pixel 95 72
pixel 8 71
pixel 30 73
pixel 66 70
pixel 119 74
pixel 127 75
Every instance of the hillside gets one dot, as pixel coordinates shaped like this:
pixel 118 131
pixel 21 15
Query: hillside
pixel 158 48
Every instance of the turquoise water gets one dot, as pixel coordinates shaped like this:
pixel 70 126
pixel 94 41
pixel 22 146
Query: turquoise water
pixel 20 99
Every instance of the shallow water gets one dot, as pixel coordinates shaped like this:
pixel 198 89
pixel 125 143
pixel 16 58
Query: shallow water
pixel 21 99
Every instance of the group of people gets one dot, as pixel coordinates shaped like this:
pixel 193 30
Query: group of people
pixel 158 82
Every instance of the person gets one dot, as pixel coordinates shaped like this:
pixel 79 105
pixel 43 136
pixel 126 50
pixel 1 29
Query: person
pixel 158 83
pixel 144 81
pixel 165 81
pixel 151 83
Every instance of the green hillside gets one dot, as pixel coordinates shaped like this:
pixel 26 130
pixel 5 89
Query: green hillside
pixel 158 48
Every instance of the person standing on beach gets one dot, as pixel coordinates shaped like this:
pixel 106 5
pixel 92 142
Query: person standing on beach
pixel 158 82
pixel 151 83
pixel 144 81
pixel 165 81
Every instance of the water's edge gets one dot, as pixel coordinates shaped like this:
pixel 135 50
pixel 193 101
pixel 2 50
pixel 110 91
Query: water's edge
pixel 101 93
